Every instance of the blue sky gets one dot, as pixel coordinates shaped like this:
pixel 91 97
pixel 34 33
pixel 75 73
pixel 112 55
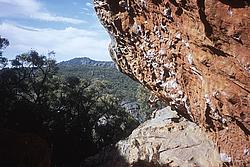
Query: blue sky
pixel 70 28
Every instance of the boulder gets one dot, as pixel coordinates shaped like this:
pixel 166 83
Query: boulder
pixel 170 140
pixel 165 140
pixel 194 55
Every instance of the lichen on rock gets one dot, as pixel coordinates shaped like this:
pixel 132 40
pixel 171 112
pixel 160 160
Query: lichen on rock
pixel 194 55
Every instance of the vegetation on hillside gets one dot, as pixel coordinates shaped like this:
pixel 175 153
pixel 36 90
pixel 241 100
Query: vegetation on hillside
pixel 76 116
pixel 129 93
pixel 117 83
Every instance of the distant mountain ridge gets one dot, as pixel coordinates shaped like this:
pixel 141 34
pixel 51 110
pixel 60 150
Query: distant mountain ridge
pixel 87 62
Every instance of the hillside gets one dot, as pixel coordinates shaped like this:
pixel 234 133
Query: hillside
pixel 86 61
pixel 119 84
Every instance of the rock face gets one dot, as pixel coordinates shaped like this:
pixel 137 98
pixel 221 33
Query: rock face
pixel 167 139
pixel 194 55
pixel 170 140
pixel 133 109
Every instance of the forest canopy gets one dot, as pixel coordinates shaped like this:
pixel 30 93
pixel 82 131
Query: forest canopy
pixel 77 117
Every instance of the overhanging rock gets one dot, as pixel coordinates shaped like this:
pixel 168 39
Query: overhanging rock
pixel 194 55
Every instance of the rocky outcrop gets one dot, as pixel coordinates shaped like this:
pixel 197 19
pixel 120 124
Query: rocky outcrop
pixel 194 55
pixel 167 139
pixel 133 109
pixel 170 140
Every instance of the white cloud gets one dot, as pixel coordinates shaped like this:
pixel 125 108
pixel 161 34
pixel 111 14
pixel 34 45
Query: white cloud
pixel 31 9
pixel 88 10
pixel 49 17
pixel 67 43
pixel 85 9
pixel 89 4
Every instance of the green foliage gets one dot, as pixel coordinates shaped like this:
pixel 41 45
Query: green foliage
pixel 3 44
pixel 77 109
pixel 117 83
pixel 142 97
pixel 77 116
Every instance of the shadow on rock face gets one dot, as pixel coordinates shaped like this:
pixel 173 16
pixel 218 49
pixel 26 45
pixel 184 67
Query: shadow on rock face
pixel 141 163
pixel 236 3
pixel 110 157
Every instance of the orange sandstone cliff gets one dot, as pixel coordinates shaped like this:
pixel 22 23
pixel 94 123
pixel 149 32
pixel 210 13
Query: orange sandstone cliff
pixel 194 55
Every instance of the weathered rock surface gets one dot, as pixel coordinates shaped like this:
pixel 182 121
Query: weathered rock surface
pixel 168 140
pixel 194 55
